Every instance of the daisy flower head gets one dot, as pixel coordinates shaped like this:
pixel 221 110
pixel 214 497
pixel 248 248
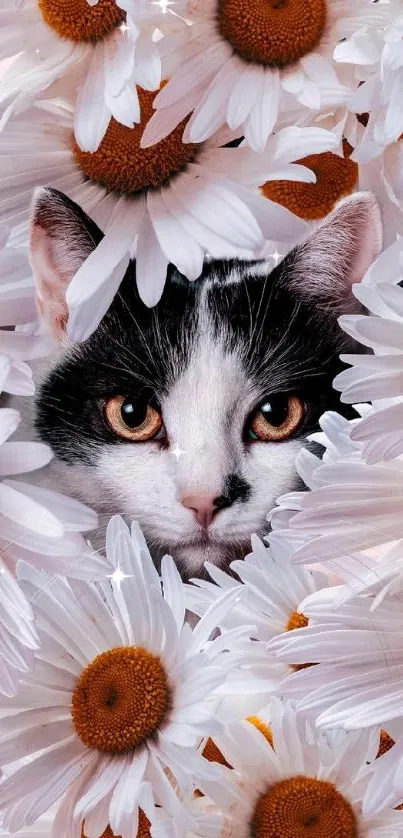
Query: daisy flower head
pixel 98 50
pixel 353 506
pixel 357 680
pixel 341 171
pixel 35 523
pixel 38 524
pixel 305 783
pixel 379 94
pixel 170 203
pixel 17 308
pixel 242 64
pixel 272 590
pixel 377 377
pixel 122 690
pixel 355 502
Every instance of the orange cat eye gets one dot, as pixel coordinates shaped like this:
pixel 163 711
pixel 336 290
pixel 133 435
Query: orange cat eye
pixel 131 419
pixel 277 418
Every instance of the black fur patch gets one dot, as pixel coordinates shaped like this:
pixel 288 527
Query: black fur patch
pixel 287 344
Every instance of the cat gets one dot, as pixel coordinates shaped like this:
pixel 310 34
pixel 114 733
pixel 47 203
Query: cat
pixel 187 417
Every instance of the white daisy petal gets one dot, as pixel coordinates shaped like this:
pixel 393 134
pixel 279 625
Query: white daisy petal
pixel 81 636
pixel 91 115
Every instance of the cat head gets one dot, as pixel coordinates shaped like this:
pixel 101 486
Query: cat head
pixel 188 416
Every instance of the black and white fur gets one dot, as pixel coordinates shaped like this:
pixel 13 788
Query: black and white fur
pixel 208 353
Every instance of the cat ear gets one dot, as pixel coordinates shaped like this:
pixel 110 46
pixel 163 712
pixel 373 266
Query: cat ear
pixel 337 254
pixel 62 236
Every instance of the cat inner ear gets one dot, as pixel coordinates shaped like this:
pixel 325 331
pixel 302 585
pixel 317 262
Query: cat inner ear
pixel 62 236
pixel 337 254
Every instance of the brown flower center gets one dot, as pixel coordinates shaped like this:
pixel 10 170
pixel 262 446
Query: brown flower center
pixel 275 33
pixel 120 699
pixel 76 20
pixel 303 807
pixel 143 829
pixel 385 743
pixel 335 177
pixel 213 754
pixel 120 164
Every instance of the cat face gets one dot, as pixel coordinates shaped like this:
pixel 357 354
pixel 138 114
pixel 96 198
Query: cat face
pixel 187 417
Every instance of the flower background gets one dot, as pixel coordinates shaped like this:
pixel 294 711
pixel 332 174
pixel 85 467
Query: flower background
pixel 186 129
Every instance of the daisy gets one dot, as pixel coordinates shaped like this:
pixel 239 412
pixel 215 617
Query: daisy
pixel 17 307
pixel 241 65
pixel 335 441
pixel 31 519
pixel 378 377
pixel 305 783
pixel 355 503
pixel 380 95
pixel 38 524
pixel 96 48
pixel 378 570
pixel 122 690
pixel 272 590
pixel 356 506
pixel 171 203
pixel 35 523
pixel 357 680
pixel 352 505
pixel 343 171
pixel 206 822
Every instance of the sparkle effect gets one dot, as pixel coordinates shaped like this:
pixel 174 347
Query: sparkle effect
pixel 177 452
pixel 303 807
pixel 120 699
pixel 118 576
pixel 275 33
pixel 276 256
pixel 121 165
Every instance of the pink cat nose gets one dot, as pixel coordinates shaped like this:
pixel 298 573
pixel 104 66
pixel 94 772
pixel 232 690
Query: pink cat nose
pixel 203 507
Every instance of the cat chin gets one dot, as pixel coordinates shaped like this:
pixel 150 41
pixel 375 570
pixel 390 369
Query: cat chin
pixel 191 559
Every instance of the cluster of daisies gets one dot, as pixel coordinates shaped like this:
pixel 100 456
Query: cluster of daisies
pixel 266 702
pixel 194 127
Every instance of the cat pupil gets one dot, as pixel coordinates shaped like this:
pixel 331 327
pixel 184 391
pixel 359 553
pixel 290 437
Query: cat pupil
pixel 133 412
pixel 275 410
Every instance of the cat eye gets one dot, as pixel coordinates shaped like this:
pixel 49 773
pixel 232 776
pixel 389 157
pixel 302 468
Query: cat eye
pixel 276 419
pixel 132 419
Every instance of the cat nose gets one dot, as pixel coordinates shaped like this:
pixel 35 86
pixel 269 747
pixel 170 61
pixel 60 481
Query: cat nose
pixel 203 506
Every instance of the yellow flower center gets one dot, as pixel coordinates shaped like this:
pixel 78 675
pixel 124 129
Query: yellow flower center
pixel 76 20
pixel 264 728
pixel 120 699
pixel 120 164
pixel 303 807
pixel 276 33
pixel 296 621
pixel 335 177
